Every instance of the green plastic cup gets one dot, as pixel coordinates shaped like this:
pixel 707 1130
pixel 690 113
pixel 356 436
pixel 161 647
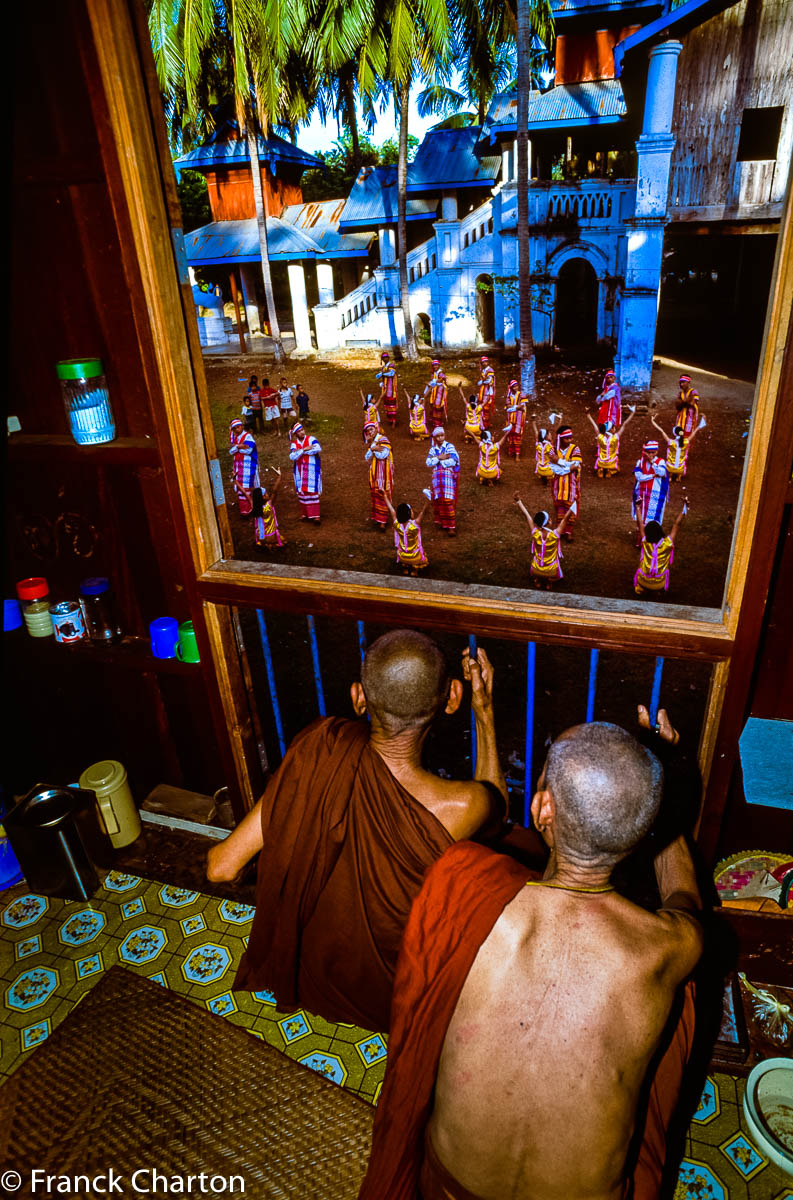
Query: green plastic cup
pixel 187 646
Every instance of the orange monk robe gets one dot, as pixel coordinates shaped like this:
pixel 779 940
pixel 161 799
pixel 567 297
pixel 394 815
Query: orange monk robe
pixel 463 896
pixel 345 852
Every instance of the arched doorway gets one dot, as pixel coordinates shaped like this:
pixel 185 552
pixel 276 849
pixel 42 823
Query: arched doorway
pixel 485 309
pixel 422 329
pixel 576 316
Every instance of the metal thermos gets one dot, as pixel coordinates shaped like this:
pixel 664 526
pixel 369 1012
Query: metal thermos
pixel 57 838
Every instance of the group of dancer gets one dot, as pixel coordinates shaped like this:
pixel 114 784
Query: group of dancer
pixel 561 464
pixel 558 464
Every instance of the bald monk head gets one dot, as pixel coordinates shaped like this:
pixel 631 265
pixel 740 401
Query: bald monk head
pixel 599 793
pixel 405 683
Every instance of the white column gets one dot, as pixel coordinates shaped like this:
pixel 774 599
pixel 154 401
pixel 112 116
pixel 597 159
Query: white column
pixel 515 159
pixel 387 236
pixel 325 282
pixel 645 230
pixel 247 279
pixel 449 206
pixel 297 290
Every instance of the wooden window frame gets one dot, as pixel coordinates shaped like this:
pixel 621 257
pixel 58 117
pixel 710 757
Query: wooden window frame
pixel 139 182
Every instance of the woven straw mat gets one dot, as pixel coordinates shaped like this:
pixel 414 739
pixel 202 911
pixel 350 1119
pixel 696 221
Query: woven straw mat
pixel 138 1077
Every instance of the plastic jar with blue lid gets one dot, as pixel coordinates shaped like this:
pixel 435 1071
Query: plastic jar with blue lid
pixel 96 601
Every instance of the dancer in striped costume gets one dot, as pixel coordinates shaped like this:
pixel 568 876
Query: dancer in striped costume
pixel 607 458
pixel 546 545
pixel 516 423
pixel 677 447
pixel 418 417
pixel 542 453
pixel 610 401
pixel 472 421
pixel 687 404
pixel 488 469
pixel 436 395
pixel 411 556
pixel 245 465
pixel 566 466
pixel 444 461
pixel 304 451
pixel 389 387
pixel 487 391
pixel 371 410
pixel 657 554
pixel 381 473
pixel 651 489
pixel 265 522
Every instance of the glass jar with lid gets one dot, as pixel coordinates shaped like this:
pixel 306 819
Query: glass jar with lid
pixel 96 601
pixel 34 595
pixel 87 401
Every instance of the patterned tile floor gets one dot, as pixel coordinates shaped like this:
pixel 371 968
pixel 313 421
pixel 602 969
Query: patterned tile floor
pixel 53 951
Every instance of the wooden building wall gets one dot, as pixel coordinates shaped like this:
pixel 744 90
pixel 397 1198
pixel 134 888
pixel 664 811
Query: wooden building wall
pixel 738 59
pixel 582 57
pixel 231 192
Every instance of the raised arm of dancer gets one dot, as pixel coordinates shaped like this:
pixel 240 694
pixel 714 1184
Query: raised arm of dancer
pixel 420 516
pixel 503 438
pixel 274 490
pixel 520 505
pixel 391 510
pixel 479 672
pixel 665 436
pixel 673 532
pixel 560 528
pixel 626 422
pixel 593 423
pixel 640 522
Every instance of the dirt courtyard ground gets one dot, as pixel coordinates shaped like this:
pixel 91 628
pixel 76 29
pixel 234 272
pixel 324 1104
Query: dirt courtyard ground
pixel 492 542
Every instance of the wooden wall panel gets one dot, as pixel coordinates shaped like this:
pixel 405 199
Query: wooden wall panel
pixel 738 59
pixel 231 192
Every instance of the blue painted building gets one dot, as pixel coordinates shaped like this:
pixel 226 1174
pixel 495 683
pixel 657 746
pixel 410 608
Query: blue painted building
pixel 612 145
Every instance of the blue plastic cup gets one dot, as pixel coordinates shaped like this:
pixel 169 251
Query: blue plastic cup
pixel 164 637
pixel 12 615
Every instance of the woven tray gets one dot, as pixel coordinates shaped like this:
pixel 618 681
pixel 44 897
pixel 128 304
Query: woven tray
pixel 137 1077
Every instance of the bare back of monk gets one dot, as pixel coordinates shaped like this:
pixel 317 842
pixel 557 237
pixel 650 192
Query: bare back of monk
pixel 561 1014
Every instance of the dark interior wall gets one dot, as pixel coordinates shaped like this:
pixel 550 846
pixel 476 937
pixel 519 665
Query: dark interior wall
pixel 75 512
pixel 714 295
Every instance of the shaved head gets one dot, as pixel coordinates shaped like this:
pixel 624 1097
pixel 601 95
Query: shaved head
pixel 607 790
pixel 405 680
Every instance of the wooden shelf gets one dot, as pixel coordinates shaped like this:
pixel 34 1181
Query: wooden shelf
pixel 131 652
pixel 122 451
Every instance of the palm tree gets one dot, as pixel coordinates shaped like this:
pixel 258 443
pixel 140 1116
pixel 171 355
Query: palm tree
pixel 532 19
pixel 243 46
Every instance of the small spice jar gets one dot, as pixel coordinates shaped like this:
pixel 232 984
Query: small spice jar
pixel 34 595
pixel 87 400
pixel 96 601
pixel 67 622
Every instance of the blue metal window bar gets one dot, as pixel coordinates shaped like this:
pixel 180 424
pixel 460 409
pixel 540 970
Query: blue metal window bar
pixel 531 664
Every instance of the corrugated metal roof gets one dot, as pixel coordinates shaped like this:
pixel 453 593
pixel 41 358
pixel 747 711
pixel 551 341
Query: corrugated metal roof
pixel 319 220
pixel 447 158
pixel 238 241
pixel 569 104
pixel 225 148
pixel 373 201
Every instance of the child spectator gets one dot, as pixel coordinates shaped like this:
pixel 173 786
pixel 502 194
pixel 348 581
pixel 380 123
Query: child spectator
pixel 302 401
pixel 269 399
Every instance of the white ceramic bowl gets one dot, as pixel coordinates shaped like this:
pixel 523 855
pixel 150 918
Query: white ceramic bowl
pixel 768 1108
